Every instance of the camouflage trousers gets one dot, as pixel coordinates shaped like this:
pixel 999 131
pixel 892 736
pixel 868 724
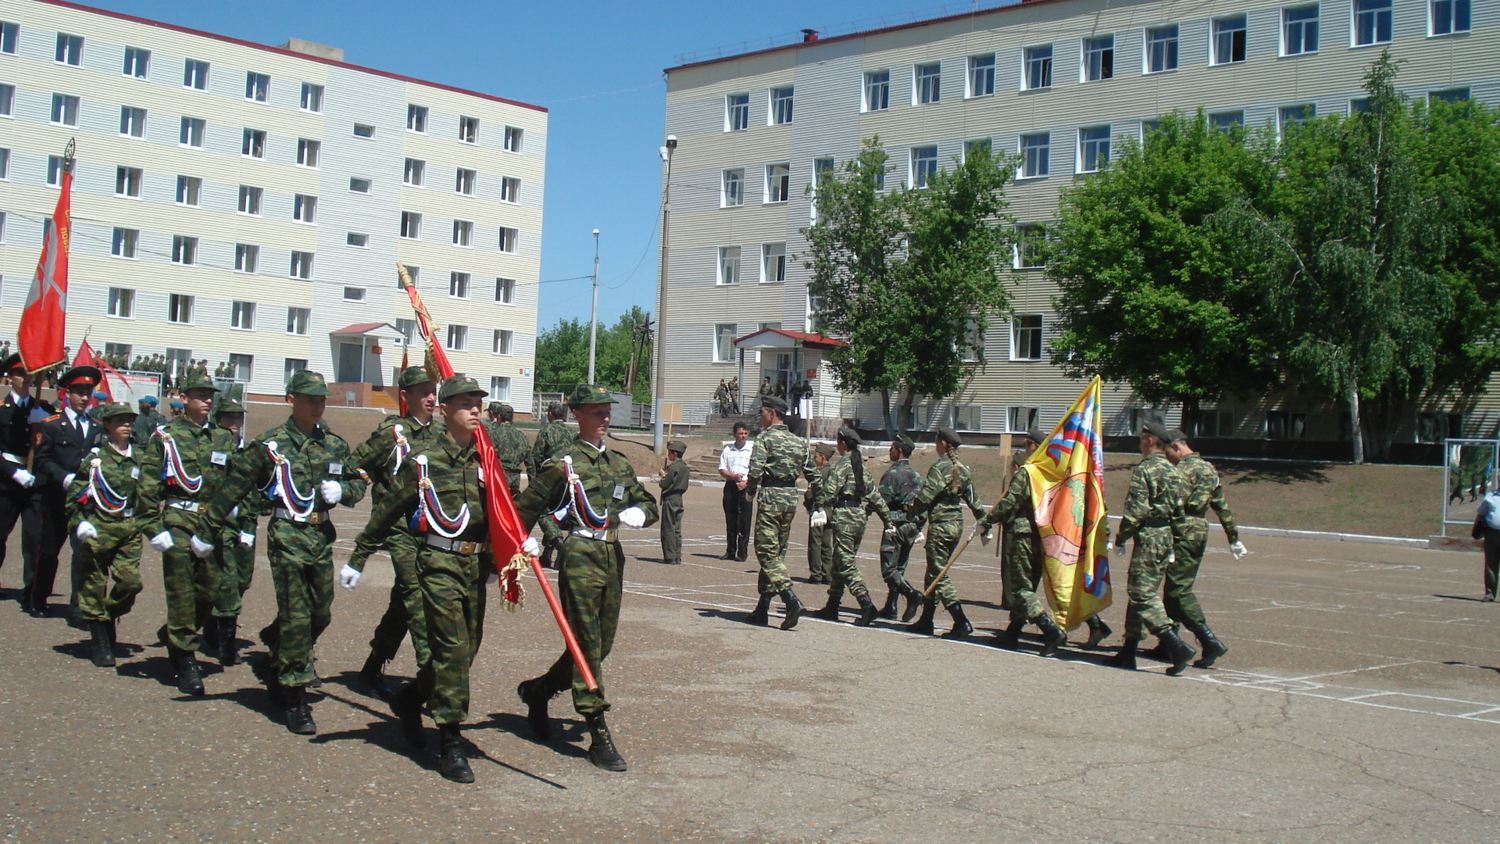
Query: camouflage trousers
pixel 114 553
pixel 773 527
pixel 848 532
pixel 302 569
pixel 192 589
pixel 671 529
pixel 942 539
pixel 1178 599
pixel 1145 615
pixel 894 556
pixel 820 553
pixel 236 568
pixel 1021 574
pixel 453 602
pixel 405 612
pixel 590 581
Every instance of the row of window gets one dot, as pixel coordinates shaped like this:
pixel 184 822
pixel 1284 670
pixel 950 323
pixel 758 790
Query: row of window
pixel 1161 51
pixel 1025 339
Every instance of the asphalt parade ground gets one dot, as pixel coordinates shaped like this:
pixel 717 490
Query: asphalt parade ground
pixel 1359 702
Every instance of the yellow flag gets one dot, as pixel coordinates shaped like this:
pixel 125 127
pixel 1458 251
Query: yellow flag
pixel 1067 495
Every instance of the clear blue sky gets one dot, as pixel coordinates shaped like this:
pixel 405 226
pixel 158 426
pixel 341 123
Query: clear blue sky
pixel 595 65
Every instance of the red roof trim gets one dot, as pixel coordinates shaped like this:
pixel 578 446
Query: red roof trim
pixel 292 53
pixel 362 327
pixel 812 341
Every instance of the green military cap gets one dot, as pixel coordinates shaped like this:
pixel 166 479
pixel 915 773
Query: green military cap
pixel 228 404
pixel 555 408
pixel 678 446
pixel 1176 435
pixel 905 443
pixel 1156 429
pixel 850 436
pixel 412 376
pixel 590 394
pixel 203 382
pixel 502 408
pixel 776 403
pixel 459 385
pixel 116 408
pixel 494 407
pixel 1035 434
pixel 825 449
pixel 305 382
pixel 949 436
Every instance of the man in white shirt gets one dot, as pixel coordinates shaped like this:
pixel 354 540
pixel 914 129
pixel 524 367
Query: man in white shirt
pixel 734 465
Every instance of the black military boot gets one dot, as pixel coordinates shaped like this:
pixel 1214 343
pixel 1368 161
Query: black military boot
pixel 602 750
pixel 913 597
pixel 1010 637
pixel 229 646
pixel 1180 652
pixel 453 763
pixel 867 610
pixel 792 608
pixel 830 610
pixel 892 599
pixel 189 676
pixel 1053 636
pixel 1212 647
pixel 961 627
pixel 103 655
pixel 1125 656
pixel 299 718
pixel 372 675
pixel 406 705
pixel 762 613
pixel 535 695
pixel 1098 632
pixel 112 627
pixel 923 625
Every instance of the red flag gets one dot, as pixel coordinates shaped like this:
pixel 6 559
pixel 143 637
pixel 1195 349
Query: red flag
pixel 87 357
pixel 105 370
pixel 39 338
pixel 401 394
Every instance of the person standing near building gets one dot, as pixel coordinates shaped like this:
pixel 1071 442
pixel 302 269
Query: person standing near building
pixel 18 493
pixel 734 468
pixel 819 539
pixel 674 482
pixel 1487 528
pixel 235 554
pixel 597 487
pixel 511 447
pixel 101 503
pixel 1201 491
pixel 777 459
pixel 899 487
pixel 946 491
pixel 845 501
pixel 61 442
pixel 552 440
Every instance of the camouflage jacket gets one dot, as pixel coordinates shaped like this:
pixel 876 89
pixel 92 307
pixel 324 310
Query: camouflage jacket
pixel 819 480
pixel 1013 512
pixel 551 441
pixel 839 490
pixel 1154 499
pixel 511 447
pixel 314 458
pixel 945 491
pixel 608 481
pixel 1201 491
pixel 144 426
pixel 453 470
pixel 776 460
pixel 675 480
pixel 899 487
pixel 376 456
pixel 122 473
pixel 208 452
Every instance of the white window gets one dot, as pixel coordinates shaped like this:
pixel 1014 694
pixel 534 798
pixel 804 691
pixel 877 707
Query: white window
pixel 356 239
pixel 513 137
pixel 1372 22
pixel 412 174
pixel 458 285
pixel 253 143
pixel 122 302
pixel 458 338
pixel 189 190
pixel 296 323
pixel 463 182
pixel 1290 115
pixel 246 257
pixel 982 75
pixel 781 105
pixel 502 342
pixel 242 366
pixel 505 291
pixel 1098 58
pixel 1227 121
pixel 1029 253
pixel 1038 67
pixel 411 225
pixel 724 342
pixel 1161 49
pixel 8 33
pixel 312 98
pixel 191 134
pixel 184 250
pixel 137 62
pixel 305 208
pixel 4 163
pixel 65 110
pixel 7 100
pixel 179 308
pixel 125 242
pixel 500 387
pixel 407 328
pixel 354 294
pixel 242 315
pixel 358 185
pixel 877 90
pixel 195 74
pixel 118 350
pixel 1036 155
pixel 250 200
pixel 257 87
pixel 1449 16
pixel 510 189
pixel 1228 43
pixel 734 188
pixel 132 122
pixel 362 130
pixel 1451 95
pixel 1299 30
pixel 416 118
pixel 929 83
pixel 302 265
pixel 1147 127
pixel 69 49
pixel 924 165
pixel 468 129
pixel 1018 420
pixel 308 152
pixel 773 262
pixel 127 180
pixel 729 264
pixel 778 182
pixel 972 348
pixel 1026 337
pixel 1093 149
pixel 736 112
pixel 463 233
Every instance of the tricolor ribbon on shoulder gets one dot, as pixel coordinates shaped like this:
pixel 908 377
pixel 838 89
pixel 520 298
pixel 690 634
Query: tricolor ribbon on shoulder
pixel 105 498
pixel 172 469
pixel 580 501
pixel 403 447
pixel 430 515
pixel 283 487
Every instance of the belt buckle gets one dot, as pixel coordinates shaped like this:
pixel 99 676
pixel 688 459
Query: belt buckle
pixel 467 548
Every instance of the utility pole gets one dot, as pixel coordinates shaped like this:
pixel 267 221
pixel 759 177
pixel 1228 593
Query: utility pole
pixel 594 311
pixel 659 347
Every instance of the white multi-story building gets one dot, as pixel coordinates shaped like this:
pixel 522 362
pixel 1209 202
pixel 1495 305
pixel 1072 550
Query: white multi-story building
pixel 1056 82
pixel 242 203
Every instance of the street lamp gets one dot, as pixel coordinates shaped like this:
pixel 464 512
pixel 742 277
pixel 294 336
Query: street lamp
pixel 661 298
pixel 594 311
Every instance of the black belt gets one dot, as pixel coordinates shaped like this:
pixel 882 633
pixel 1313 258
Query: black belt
pixel 849 502
pixel 1201 514
pixel 1155 523
pixel 778 483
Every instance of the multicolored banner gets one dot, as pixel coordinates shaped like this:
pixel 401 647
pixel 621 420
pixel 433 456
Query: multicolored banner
pixel 39 337
pixel 1067 493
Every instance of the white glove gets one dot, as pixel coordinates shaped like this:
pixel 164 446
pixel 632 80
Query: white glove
pixel 1119 549
pixel 1238 549
pixel 200 548
pixel 633 517
pixel 24 478
pixel 86 530
pixel 922 537
pixel 332 492
pixel 986 538
pixel 348 577
pixel 68 479
pixel 247 539
pixel 818 519
pixel 1171 557
pixel 890 531
pixel 162 541
pixel 532 547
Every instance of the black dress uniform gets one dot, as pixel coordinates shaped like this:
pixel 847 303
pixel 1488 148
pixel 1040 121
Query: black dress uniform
pixel 17 482
pixel 62 441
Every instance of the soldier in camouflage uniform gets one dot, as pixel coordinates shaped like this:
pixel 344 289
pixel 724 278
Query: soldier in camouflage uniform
pixel 674 482
pixel 305 471
pixel 511 447
pixel 1201 491
pixel 899 487
pixel 819 539
pixel 380 457
pixel 946 490
pixel 776 459
pixel 183 468
pixel 235 554
pixel 1153 503
pixel 553 439
pixel 438 494
pixel 146 421
pixel 101 505
pixel 845 499
pixel 598 487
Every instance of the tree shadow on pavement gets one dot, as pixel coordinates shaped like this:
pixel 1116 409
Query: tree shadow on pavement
pixel 1461 598
pixel 1462 664
pixel 1284 474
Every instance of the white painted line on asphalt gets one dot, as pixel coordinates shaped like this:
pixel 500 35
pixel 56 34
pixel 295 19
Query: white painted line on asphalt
pixel 1357 670
pixel 1473 710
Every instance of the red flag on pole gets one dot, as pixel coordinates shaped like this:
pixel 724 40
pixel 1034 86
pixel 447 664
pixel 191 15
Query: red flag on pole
pixel 401 394
pixel 39 338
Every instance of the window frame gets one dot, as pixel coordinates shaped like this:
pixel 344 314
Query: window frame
pixel 132 178
pixel 1452 15
pixel 302 265
pixel 1309 29
pixel 251 201
pixel 305 208
pixel 514 137
pixel 1171 48
pixel 920 166
pixel 781 105
pixel 1044 156
pixel 416 118
pixel 463 233
pixel 1375 15
pixel 1027 234
pixel 509 236
pixel 180 305
pixel 724 352
pixel 69 50
pixel 505 291
pixel 124 243
pixel 877 91
pixel 249 138
pixel 137 63
pixel 1032 59
pixel 257 87
pixel 464 180
pixel 189 192
pixel 247 258
pixel 195 73
pixel 980 73
pixel 65 106
pixel 1237 37
pixel 1086 156
pixel 503 342
pixel 363 243
pixel 772 263
pixel 1020 334
pixel 298 318
pixel 241 315
pixel 132 122
pixel 1091 48
pixel 732 197
pixel 417 167
pixel 730 267
pixel 510 189
pixel 457 338
pixel 316 99
pixel 778 187
pixel 411 225
pixel 120 302
pixel 927 83
pixel 190 127
pixel 468 129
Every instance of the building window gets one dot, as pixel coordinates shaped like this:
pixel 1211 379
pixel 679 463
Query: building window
pixel 1437 427
pixel 246 257
pixel 305 208
pixel 1227 121
pixel 4 163
pixel 124 243
pixel 468 130
pixel 463 182
pixel 122 302
pixel 180 308
pixel 416 118
pixel 291 366
pixel 500 387
pixel 7 100
pixel 929 83
pixel 407 328
pixel 358 185
pixel 822 171
pixel 356 239
pixel 1372 22
pixel 736 112
pixel 411 225
pixel 362 130
pixel 508 239
pixel 502 342
pixel 65 110
pixel 1018 420
pixel 778 182
pixel 1290 115
pixel 54 175
pixel 242 366
pixel 458 285
pixel 253 143
pixel 308 152
pixel 8 33
pixel 1036 155
pixel 1029 252
pixel 924 165
pixel 1215 424
pixel 242 315
pixel 510 189
pixel 1038 67
pixel 184 250
pixel 127 181
pixel 1284 425
pixel 982 75
pixel 257 87
pixel 312 98
pixel 1026 337
pixel 463 233
pixel 1098 58
pixel 195 74
pixel 458 338
pixel 1093 149
pixel 976 145
pixel 1229 40
pixel 773 262
pixel 729 264
pixel 513 137
pixel 1161 49
pixel 1452 95
pixel 302 265
pixel 191 133
pixel 189 190
pixel 734 189
pixel 118 350
pixel 1449 16
pixel 132 122
pixel 781 105
pixel 965 417
pixel 724 342
pixel 354 294
pixel 250 200
pixel 296 323
pixel 69 49
pixel 878 90
pixel 1299 30
pixel 137 62
pixel 412 174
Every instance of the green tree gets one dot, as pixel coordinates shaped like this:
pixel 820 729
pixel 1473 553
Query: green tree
pixel 562 355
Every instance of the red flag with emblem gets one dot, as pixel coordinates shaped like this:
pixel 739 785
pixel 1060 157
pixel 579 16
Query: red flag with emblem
pixel 39 338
